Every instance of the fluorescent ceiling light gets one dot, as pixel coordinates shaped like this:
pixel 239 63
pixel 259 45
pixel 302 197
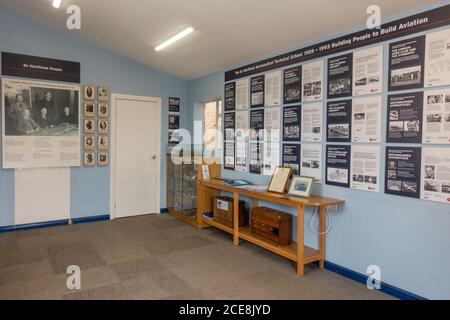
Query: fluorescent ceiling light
pixel 175 38
pixel 56 3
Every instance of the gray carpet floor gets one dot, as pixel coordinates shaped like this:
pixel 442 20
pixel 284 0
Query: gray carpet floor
pixel 156 257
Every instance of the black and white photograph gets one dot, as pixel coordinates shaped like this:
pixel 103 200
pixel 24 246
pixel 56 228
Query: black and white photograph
pixel 406 64
pixel 90 159
pixel 434 117
pixel 89 142
pixel 89 126
pixel 412 126
pixel 103 110
pixel 103 142
pixel 409 187
pixel 89 109
pixel 103 126
pixel 394 185
pixel 435 98
pixel 338 131
pixel 90 93
pixel 103 94
pixel 432 186
pixel 103 159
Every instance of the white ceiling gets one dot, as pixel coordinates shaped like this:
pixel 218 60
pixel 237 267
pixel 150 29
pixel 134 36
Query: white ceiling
pixel 230 32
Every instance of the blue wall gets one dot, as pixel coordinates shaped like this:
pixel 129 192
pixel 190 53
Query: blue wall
pixel 89 187
pixel 408 238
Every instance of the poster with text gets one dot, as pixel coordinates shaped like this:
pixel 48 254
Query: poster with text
pixel 40 124
pixel 229 156
pixel 368 71
pixel 230 96
pixel 256 157
pixel 437 59
pixel 292 85
pixel 340 73
pixel 366 119
pixel 256 125
pixel 311 119
pixel 229 126
pixel 339 121
pixel 273 89
pixel 174 121
pixel 242 95
pixel 365 172
pixel 291 157
pixel 242 125
pixel 257 91
pixel 436 174
pixel 311 161
pixel 403 167
pixel 405 115
pixel 174 104
pixel 312 78
pixel 241 156
pixel 291 123
pixel 338 166
pixel 406 64
pixel 272 123
pixel 271 157
pixel 436 117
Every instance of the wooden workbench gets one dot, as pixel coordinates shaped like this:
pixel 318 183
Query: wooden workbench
pixel 296 252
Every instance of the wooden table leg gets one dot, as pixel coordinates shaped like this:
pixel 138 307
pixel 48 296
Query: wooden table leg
pixel 322 241
pixel 236 220
pixel 301 241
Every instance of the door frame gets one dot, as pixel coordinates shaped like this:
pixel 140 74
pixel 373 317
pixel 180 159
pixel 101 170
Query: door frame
pixel 114 98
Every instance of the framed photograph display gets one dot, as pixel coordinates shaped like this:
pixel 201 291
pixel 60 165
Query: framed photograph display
pixel 103 159
pixel 103 94
pixel 89 126
pixel 90 93
pixel 103 110
pixel 89 109
pixel 280 180
pixel 103 126
pixel 89 142
pixel 103 142
pixel 89 159
pixel 301 186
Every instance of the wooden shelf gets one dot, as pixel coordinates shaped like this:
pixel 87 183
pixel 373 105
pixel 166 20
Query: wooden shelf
pixel 218 225
pixel 289 252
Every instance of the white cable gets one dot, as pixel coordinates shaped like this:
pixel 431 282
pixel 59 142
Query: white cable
pixel 329 222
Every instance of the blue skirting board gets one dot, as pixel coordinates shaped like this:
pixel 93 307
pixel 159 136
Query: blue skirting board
pixel 358 277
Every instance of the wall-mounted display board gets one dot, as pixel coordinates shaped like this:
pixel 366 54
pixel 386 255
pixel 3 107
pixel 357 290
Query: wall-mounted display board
pixel 365 168
pixel 291 123
pixel 311 122
pixel 340 73
pixel 257 85
pixel 242 94
pixel 230 96
pixel 291 157
pixel 366 124
pixel 256 157
pixel 273 89
pixel 437 57
pixel 229 126
pixel 174 121
pixel 312 79
pixel 292 81
pixel 406 64
pixel 311 161
pixel 405 118
pixel 174 104
pixel 436 117
pixel 420 22
pixel 368 71
pixel 37 131
pixel 436 174
pixel 403 171
pixel 229 155
pixel 339 121
pixel 338 165
pixel 256 125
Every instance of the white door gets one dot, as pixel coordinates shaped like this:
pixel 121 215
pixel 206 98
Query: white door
pixel 136 156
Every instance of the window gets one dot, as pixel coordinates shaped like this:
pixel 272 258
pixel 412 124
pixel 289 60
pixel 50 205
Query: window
pixel 213 126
